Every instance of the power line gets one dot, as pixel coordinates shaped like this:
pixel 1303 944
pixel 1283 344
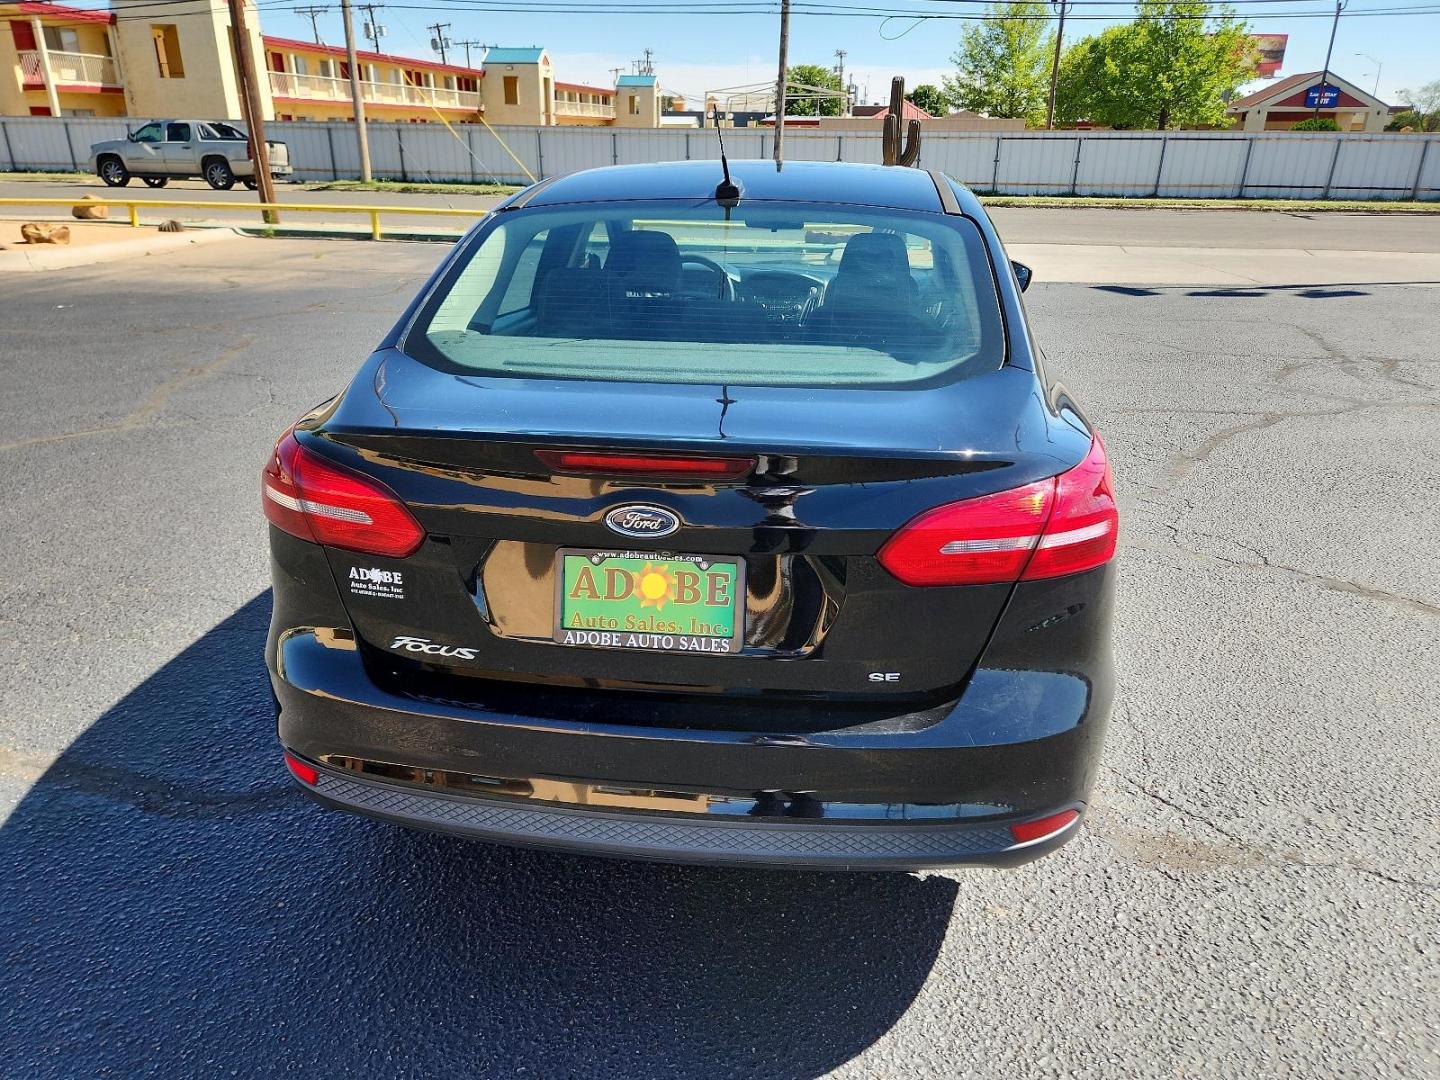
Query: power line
pixel 730 8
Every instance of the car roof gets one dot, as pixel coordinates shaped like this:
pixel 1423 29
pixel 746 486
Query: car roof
pixel 798 181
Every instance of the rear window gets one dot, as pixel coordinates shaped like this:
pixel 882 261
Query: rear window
pixel 771 294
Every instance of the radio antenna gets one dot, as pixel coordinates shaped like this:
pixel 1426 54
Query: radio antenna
pixel 727 192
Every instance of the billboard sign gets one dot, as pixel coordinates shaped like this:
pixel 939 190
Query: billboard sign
pixel 1270 53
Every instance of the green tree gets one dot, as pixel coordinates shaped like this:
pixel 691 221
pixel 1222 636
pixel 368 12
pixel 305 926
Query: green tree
pixel 1175 66
pixel 799 103
pixel 1002 67
pixel 930 98
pixel 1424 111
pixel 1316 123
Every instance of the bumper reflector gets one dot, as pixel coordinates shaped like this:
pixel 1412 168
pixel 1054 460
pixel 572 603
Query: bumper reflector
pixel 306 774
pixel 1032 832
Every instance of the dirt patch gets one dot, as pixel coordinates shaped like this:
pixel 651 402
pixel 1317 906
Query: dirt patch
pixel 82 233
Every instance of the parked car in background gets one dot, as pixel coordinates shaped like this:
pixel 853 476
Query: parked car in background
pixel 705 521
pixel 165 150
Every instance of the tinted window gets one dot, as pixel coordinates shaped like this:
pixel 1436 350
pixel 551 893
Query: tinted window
pixel 777 294
pixel 217 130
pixel 177 133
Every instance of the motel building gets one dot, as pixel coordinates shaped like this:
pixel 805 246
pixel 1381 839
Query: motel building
pixel 176 59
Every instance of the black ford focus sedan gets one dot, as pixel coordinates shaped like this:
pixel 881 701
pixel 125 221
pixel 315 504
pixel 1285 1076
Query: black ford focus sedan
pixel 704 517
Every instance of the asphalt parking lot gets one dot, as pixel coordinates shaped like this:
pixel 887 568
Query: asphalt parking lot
pixel 1255 893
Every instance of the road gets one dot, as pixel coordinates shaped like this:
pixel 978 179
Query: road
pixel 1255 893
pixel 1231 229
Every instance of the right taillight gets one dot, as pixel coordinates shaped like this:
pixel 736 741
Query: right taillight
pixel 1047 529
pixel 311 497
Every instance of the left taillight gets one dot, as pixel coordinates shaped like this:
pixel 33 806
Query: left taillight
pixel 310 497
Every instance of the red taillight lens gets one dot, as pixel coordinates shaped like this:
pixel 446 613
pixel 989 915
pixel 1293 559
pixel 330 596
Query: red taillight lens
pixel 1029 831
pixel 590 463
pixel 975 542
pixel 1084 527
pixel 306 774
pixel 1046 529
pixel 317 500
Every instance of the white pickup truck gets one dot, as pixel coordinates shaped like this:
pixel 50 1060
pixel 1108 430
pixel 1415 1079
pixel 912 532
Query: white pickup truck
pixel 165 150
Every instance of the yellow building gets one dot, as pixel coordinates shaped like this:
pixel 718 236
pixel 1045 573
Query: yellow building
pixel 57 61
pixel 176 59
pixel 312 82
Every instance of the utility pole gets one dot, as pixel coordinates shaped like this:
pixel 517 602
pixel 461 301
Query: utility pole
pixel 780 82
pixel 314 14
pixel 1325 75
pixel 373 30
pixel 1062 6
pixel 468 45
pixel 840 55
pixel 439 41
pixel 357 96
pixel 250 95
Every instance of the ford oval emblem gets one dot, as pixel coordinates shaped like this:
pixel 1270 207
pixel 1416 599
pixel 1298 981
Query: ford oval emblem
pixel 641 521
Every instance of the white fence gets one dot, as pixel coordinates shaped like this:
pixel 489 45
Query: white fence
pixel 1195 164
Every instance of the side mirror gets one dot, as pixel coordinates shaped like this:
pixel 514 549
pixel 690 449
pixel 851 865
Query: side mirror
pixel 1023 274
pixel 129 136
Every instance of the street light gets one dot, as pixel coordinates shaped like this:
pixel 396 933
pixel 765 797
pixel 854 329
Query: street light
pixel 1378 65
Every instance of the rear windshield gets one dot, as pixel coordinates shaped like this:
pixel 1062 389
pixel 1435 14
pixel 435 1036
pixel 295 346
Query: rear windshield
pixel 771 294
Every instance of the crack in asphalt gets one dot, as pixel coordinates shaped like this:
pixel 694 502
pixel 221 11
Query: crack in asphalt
pixel 1267 853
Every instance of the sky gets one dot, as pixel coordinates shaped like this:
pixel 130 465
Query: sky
pixel 694 53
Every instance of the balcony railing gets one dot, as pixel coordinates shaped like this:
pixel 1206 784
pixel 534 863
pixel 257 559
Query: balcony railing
pixel 578 108
pixel 322 88
pixel 83 69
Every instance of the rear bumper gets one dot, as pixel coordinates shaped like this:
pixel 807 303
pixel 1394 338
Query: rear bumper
pixel 1017 746
pixel 816 844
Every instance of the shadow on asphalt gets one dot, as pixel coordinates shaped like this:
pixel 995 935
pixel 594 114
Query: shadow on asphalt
pixel 1241 292
pixel 172 906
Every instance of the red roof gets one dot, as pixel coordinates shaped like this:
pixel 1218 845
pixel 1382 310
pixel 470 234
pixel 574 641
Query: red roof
pixel 386 58
pixel 584 89
pixel 60 11
pixel 908 111
pixel 1291 91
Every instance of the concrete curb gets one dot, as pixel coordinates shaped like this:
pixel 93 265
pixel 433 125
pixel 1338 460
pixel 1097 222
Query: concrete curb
pixel 40 257
pixel 340 232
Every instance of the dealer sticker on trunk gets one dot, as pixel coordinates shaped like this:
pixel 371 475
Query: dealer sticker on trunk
pixel 649 600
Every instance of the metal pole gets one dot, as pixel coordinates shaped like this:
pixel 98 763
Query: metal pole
pixel 1325 74
pixel 780 81
pixel 70 143
pixel 1420 169
pixel 357 95
pixel 1366 56
pixel 1245 169
pixel 250 91
pixel 1160 168
pixel 1334 160
pixel 1063 6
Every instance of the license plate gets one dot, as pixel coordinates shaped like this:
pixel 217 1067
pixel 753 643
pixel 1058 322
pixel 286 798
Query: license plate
pixel 649 600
